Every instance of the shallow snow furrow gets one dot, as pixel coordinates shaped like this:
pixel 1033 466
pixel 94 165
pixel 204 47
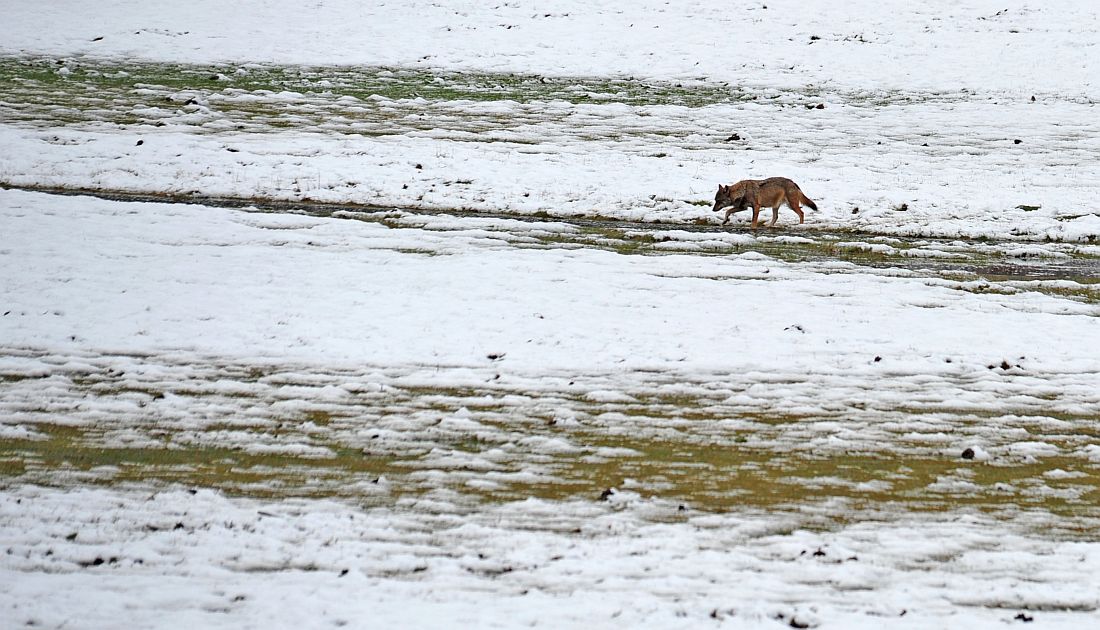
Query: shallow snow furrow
pixel 593 563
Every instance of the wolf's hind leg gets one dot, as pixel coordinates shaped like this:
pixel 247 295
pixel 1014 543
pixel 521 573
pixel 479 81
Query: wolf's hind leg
pixel 793 203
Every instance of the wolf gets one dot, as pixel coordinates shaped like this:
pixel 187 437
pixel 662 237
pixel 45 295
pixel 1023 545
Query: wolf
pixel 757 193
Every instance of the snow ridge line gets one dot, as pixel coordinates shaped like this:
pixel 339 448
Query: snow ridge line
pixel 334 209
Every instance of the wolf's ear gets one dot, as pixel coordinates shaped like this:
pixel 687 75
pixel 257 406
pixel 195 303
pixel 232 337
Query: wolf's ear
pixel 721 188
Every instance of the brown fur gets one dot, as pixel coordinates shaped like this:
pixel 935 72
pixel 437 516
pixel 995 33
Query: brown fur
pixel 762 193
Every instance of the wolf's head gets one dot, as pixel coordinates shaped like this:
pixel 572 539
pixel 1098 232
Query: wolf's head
pixel 725 197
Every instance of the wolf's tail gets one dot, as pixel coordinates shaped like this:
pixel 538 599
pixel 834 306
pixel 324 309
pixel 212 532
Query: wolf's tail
pixel 807 201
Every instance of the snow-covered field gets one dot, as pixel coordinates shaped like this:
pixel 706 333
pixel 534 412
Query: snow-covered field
pixel 451 337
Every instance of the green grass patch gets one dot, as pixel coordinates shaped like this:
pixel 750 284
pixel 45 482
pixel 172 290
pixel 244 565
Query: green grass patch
pixel 85 79
pixel 677 466
pixel 48 92
pixel 67 452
